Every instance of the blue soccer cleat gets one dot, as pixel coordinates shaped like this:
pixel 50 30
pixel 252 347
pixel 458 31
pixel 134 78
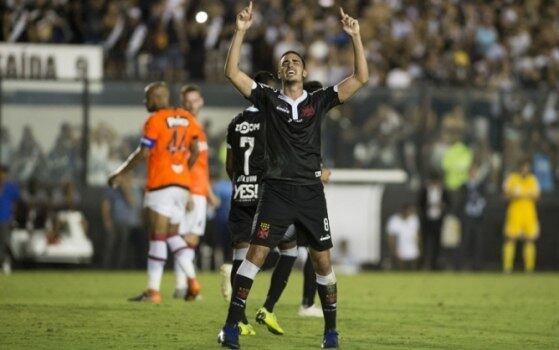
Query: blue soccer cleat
pixel 330 339
pixel 229 337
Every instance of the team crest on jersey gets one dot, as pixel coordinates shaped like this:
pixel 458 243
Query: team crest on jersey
pixel 263 230
pixel 246 127
pixel 176 121
pixel 307 111
pixel 177 168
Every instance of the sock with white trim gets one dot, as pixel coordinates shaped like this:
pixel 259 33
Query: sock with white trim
pixel 280 276
pixel 178 247
pixel 241 289
pixel 328 293
pixel 156 263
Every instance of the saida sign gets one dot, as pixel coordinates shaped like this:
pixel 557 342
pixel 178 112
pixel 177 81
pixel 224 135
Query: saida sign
pixel 38 62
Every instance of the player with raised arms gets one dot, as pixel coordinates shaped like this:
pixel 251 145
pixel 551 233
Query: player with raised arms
pixel 292 191
pixel 169 142
pixel 245 167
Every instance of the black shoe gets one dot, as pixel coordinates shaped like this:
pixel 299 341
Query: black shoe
pixel 229 337
pixel 330 340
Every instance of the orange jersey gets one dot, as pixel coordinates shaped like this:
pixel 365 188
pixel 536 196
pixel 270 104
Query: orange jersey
pixel 168 133
pixel 200 171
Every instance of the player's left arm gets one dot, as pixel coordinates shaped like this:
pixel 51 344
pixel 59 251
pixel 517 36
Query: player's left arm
pixel 325 175
pixel 534 193
pixel 194 152
pixel 350 85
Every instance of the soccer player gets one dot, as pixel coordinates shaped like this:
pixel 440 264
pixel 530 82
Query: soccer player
pixel 193 223
pixel 245 167
pixel 169 142
pixel 282 270
pixel 291 190
pixel 242 214
pixel 522 190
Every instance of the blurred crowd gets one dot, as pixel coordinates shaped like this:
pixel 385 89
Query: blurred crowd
pixel 422 131
pixel 488 72
pixel 500 44
pixel 50 181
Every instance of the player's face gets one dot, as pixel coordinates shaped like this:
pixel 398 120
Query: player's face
pixel 193 102
pixel 291 68
pixel 525 169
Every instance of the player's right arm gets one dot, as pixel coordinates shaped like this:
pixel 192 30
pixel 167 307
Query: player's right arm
pixel 229 161
pixel 239 79
pixel 139 155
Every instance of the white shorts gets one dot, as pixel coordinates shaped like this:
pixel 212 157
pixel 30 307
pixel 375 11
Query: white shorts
pixel 194 222
pixel 168 201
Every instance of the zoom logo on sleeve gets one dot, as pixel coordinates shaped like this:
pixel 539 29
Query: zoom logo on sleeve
pixel 246 127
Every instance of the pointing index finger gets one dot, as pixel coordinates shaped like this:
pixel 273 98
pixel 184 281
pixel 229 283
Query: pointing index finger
pixel 250 7
pixel 342 12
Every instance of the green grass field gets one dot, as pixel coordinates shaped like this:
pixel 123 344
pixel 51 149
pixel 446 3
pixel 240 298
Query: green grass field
pixel 88 310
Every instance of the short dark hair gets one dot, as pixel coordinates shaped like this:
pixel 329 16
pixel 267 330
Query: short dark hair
pixel 434 175
pixel 312 86
pixel 264 77
pixel 406 206
pixel 523 161
pixel 153 85
pixel 190 88
pixel 295 53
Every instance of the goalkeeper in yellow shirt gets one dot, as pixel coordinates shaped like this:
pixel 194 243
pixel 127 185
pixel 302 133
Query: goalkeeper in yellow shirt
pixel 522 191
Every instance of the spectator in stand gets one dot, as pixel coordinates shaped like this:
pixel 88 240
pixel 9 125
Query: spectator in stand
pixel 28 160
pixel 35 207
pixel 403 238
pixel 9 195
pixel 408 41
pixel 6 148
pixel 66 198
pixel 472 206
pixel 458 157
pixel 434 203
pixel 121 210
pixel 64 160
pixel 543 158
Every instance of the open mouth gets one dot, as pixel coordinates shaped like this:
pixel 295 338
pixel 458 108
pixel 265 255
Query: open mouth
pixel 290 73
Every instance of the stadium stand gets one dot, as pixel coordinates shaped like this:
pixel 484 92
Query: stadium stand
pixel 446 77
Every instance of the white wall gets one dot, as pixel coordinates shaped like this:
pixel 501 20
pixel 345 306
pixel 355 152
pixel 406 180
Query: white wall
pixel 45 120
